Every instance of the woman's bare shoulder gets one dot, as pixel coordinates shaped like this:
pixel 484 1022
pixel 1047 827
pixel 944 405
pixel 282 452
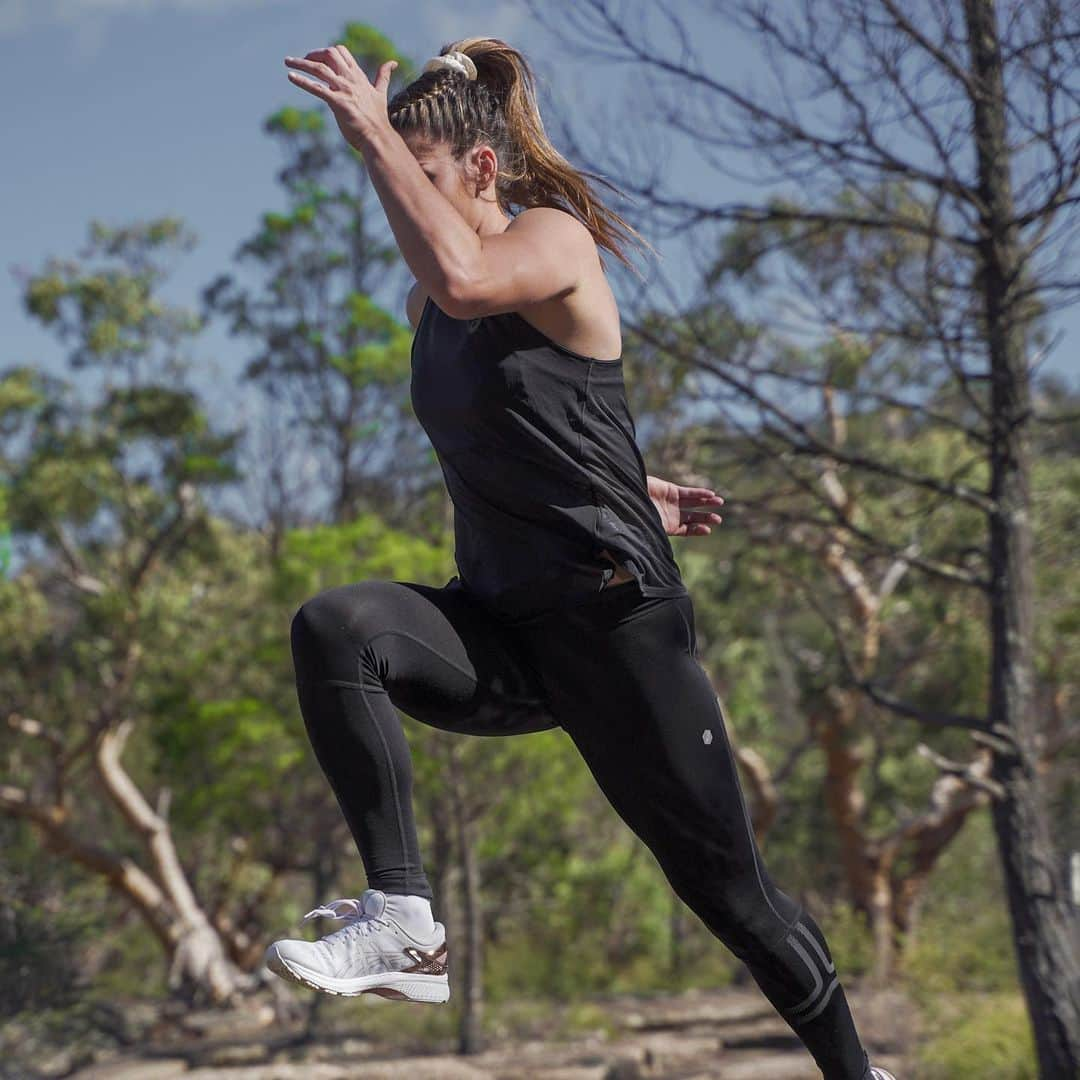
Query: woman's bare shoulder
pixel 554 224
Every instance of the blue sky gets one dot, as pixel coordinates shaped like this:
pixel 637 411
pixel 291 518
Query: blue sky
pixel 131 109
pixel 134 109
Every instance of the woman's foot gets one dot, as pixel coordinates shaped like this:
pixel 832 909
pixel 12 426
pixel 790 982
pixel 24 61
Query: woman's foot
pixel 375 952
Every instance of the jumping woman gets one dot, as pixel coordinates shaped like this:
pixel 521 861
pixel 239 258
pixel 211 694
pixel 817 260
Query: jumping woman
pixel 568 609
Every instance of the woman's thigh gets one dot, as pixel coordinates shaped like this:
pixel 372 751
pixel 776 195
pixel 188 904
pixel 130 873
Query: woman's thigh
pixel 624 683
pixel 435 651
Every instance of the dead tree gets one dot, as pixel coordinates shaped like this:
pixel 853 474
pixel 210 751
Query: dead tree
pixel 945 135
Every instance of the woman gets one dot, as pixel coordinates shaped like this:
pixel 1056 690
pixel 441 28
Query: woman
pixel 569 609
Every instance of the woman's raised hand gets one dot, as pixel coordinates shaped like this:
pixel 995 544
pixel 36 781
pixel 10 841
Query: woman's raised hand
pixel 675 504
pixel 358 105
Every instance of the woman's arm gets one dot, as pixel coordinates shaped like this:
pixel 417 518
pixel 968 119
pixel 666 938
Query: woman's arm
pixel 541 254
pixel 435 240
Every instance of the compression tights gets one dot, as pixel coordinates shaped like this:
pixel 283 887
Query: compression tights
pixel 618 673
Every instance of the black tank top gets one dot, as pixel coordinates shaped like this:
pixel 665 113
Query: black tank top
pixel 537 447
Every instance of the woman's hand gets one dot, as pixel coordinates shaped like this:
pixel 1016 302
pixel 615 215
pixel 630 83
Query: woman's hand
pixel 674 502
pixel 358 106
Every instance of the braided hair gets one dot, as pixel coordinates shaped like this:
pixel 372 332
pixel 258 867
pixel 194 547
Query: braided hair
pixel 499 108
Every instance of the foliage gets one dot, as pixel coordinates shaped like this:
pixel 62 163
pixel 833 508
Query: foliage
pixel 330 362
pixel 572 902
pixel 962 943
pixel 989 1035
pixel 849 939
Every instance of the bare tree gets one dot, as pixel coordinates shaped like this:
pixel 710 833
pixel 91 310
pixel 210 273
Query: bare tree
pixel 931 151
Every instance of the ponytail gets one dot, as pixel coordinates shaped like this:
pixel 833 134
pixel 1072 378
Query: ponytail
pixel 499 107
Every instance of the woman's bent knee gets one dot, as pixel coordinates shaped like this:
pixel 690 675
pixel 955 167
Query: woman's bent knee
pixel 330 630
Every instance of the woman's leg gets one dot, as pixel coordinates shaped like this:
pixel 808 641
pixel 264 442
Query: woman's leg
pixel 622 678
pixel 361 650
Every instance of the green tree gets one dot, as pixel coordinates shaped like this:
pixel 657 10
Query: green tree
pixel 332 365
pixel 105 493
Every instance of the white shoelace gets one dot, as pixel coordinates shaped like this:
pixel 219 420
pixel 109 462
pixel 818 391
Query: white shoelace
pixel 346 908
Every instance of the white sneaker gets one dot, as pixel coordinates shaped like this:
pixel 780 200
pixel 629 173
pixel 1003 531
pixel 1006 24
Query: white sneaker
pixel 880 1074
pixel 370 954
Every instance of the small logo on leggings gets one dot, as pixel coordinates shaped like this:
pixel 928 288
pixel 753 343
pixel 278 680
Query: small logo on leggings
pixel 706 736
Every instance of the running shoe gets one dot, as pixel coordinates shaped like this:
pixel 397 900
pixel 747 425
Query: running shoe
pixel 370 954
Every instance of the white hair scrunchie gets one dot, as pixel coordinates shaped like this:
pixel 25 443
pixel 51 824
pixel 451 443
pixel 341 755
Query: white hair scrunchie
pixel 456 61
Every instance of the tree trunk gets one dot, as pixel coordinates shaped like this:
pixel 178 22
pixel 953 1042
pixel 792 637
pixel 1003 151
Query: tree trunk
pixel 200 968
pixel 677 939
pixel 866 862
pixel 1044 926
pixel 470 1033
pixel 199 964
pixel 323 872
pixel 442 869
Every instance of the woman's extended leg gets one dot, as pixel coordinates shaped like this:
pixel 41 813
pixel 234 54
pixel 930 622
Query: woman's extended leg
pixel 360 650
pixel 622 678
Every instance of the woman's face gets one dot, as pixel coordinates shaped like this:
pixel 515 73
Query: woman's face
pixel 467 185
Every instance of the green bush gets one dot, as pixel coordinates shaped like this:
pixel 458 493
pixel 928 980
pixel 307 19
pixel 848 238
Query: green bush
pixel 849 938
pixel 962 951
pixel 964 938
pixel 990 1036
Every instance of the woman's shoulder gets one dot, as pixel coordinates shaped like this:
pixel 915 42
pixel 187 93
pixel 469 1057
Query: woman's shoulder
pixel 551 224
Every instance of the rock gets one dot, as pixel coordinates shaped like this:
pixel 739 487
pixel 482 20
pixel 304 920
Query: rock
pixel 280 1071
pixel 434 1067
pixel 697 1011
pixel 794 1066
pixel 135 1069
pixel 671 1053
pixel 624 1069
pixel 220 1057
pixel 59 1064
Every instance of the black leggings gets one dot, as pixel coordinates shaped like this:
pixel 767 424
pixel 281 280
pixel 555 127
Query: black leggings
pixel 618 673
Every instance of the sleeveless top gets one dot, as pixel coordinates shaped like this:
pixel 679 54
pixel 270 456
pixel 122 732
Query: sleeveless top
pixel 536 444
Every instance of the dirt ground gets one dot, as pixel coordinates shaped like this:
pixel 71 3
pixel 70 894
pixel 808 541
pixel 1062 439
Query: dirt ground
pixel 732 1034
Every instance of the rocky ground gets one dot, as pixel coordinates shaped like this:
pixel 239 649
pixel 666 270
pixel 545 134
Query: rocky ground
pixel 731 1034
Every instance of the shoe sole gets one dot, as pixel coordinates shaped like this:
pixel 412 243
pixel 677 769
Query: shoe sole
pixel 395 985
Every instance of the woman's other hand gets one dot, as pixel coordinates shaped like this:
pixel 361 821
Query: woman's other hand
pixel 675 504
pixel 358 105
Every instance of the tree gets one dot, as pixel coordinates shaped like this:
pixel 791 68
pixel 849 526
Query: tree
pixel 332 364
pixel 945 134
pixel 122 674
pixel 110 490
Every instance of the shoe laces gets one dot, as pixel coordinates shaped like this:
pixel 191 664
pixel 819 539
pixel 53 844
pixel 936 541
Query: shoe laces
pixel 361 922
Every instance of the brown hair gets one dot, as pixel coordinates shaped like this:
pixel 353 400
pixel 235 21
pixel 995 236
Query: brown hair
pixel 499 107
